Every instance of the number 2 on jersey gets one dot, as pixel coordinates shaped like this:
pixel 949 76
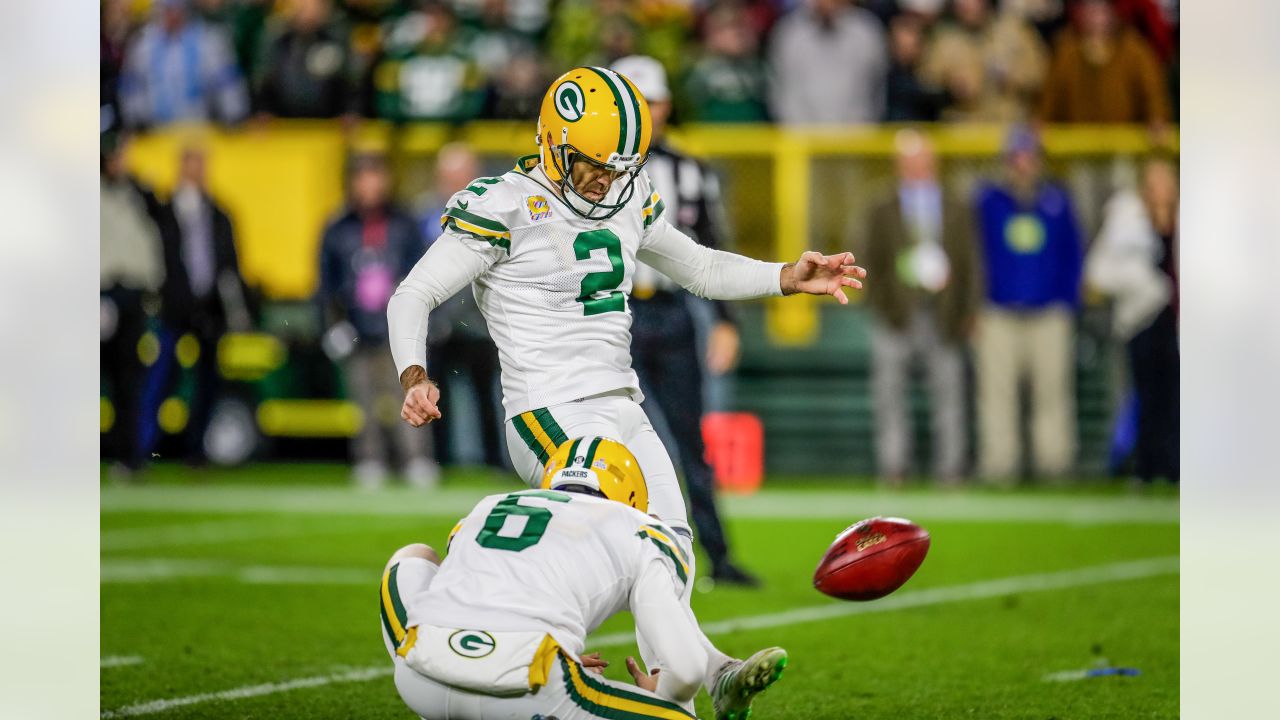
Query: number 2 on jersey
pixel 534 526
pixel 605 280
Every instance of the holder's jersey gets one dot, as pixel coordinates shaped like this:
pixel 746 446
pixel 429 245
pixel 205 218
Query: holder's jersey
pixel 555 295
pixel 546 560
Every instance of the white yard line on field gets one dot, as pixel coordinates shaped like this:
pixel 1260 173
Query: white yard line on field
pixel 848 505
pixel 240 693
pixel 115 661
pixel 161 569
pixel 205 533
pixel 1095 575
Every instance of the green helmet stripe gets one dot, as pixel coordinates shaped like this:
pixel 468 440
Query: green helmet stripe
pixel 573 451
pixel 591 452
pixel 635 104
pixel 624 110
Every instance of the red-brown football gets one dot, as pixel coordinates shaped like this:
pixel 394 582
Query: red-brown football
pixel 871 559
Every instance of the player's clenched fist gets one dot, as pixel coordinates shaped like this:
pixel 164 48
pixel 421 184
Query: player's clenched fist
pixel 421 397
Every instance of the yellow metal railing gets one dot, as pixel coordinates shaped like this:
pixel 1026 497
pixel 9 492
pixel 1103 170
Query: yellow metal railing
pixel 281 183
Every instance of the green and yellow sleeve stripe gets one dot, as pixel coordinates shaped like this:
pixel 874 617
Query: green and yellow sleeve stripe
pixel 606 700
pixel 491 231
pixel 540 433
pixel 652 209
pixel 667 546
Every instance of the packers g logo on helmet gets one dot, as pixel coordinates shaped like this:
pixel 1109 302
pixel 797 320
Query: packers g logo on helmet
pixel 594 115
pixel 570 102
pixel 600 464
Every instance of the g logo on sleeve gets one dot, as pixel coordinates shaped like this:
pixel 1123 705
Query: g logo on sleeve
pixel 472 643
pixel 571 103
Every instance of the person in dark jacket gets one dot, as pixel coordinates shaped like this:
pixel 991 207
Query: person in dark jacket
pixel 922 251
pixel 209 296
pixel 307 68
pixel 365 253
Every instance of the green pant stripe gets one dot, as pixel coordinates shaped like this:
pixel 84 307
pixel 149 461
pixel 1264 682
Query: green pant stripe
pixel 591 452
pixel 394 591
pixel 522 429
pixel 674 559
pixel 386 620
pixel 549 424
pixel 606 689
pixel 671 535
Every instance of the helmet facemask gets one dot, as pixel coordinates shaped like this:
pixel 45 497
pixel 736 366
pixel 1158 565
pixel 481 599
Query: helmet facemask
pixel 563 157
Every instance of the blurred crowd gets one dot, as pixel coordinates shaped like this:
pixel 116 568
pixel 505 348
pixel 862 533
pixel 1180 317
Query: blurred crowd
pixel 1056 61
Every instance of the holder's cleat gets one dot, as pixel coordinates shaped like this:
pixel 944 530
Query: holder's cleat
pixel 739 683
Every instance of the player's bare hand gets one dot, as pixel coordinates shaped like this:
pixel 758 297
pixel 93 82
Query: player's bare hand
pixel 648 682
pixel 421 404
pixel 722 348
pixel 818 274
pixel 594 663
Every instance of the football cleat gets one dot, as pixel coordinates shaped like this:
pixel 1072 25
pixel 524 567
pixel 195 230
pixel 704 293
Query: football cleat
pixel 740 681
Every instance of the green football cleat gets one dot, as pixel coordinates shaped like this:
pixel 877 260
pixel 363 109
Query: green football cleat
pixel 740 682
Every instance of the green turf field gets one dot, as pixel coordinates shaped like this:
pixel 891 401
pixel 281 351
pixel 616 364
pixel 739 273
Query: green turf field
pixel 252 594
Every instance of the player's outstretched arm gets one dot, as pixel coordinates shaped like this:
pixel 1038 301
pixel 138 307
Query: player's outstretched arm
pixel 818 274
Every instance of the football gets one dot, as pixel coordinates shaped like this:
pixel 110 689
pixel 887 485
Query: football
pixel 871 559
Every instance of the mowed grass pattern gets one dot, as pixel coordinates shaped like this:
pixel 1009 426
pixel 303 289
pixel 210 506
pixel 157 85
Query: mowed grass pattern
pixel 218 601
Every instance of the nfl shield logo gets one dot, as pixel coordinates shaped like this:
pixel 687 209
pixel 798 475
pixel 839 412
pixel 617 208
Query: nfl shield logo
pixel 539 208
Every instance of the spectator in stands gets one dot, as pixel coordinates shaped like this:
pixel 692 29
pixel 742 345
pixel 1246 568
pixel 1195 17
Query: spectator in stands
pixel 132 277
pixel 922 250
pixel 1032 253
pixel 1104 72
pixel 180 69
pixel 459 350
pixel 113 38
pixel 518 88
pixel 597 32
pixel 365 21
pixel 992 64
pixel 1045 16
pixel 364 254
pixel 910 98
pixel 1134 260
pixel 727 83
pixel 428 70
pixel 828 62
pixel 306 69
pixel 201 261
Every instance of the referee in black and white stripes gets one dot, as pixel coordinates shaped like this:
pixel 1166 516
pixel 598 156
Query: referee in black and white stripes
pixel 663 338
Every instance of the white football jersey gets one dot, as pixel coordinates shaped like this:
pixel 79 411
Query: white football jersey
pixel 555 296
pixel 545 560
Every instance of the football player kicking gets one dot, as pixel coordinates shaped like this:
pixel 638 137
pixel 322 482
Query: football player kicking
pixel 497 631
pixel 549 249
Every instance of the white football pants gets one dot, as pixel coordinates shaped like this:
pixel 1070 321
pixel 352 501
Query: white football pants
pixel 572 692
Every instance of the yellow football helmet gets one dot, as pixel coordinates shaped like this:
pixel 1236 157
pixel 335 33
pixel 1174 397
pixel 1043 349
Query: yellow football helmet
pixel 600 464
pixel 594 115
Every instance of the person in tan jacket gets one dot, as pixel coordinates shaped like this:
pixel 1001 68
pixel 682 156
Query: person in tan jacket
pixel 922 250
pixel 1104 72
pixel 992 64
